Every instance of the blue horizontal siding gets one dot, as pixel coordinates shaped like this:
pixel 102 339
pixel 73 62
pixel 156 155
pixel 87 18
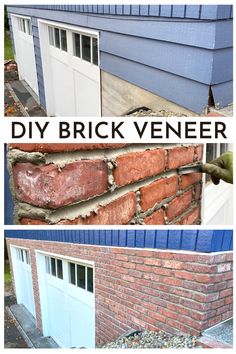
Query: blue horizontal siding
pixel 206 12
pixel 188 93
pixel 189 240
pixel 223 93
pixel 186 61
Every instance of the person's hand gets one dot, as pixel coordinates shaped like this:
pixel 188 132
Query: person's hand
pixel 221 168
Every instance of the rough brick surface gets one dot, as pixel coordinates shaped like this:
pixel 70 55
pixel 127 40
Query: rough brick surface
pixel 53 148
pixel 118 212
pixel 179 204
pixel 188 180
pixel 48 187
pixel 138 165
pixel 158 290
pixel 157 191
pixel 191 217
pixel 180 156
pixel 157 218
pixel 199 152
pixel 198 192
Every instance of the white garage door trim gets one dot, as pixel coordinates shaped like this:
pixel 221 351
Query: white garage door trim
pixel 87 67
pixel 71 293
pixel 217 200
pixel 25 56
pixel 21 263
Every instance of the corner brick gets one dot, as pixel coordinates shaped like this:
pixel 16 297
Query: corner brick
pixel 157 191
pixel 198 192
pixel 199 152
pixel 180 156
pixel 178 205
pixel 135 166
pixel 157 218
pixel 48 187
pixel 53 148
pixel 225 267
pixel 188 180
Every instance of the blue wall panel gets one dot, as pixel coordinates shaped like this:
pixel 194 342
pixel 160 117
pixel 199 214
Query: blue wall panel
pixel 187 240
pixel 187 93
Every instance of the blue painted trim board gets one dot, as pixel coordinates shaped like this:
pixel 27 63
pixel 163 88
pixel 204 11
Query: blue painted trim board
pixel 188 240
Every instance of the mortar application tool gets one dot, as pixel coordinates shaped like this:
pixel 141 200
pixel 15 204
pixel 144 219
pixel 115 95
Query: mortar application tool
pixel 193 168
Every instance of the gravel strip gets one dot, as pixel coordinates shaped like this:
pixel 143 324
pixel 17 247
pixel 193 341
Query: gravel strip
pixel 150 113
pixel 149 339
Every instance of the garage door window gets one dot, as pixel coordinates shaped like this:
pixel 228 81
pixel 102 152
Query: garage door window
pixel 57 38
pixel 23 255
pixel 24 25
pixel 81 276
pixel 54 267
pixel 85 47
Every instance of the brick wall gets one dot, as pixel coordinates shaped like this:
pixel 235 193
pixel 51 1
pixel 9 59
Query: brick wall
pixel 104 184
pixel 135 288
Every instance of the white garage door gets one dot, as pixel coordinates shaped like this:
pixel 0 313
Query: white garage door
pixel 23 278
pixel 67 301
pixel 70 63
pixel 24 46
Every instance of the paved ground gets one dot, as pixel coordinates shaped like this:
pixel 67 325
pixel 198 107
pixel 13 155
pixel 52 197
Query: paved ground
pixel 12 337
pixel 20 100
pixel 223 332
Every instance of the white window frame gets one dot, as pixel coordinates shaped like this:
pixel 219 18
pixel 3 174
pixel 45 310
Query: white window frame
pixel 27 24
pixel 209 187
pixel 50 267
pixel 23 256
pixel 86 276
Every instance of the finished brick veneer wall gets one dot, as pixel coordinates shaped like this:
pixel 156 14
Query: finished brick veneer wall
pixel 109 184
pixel 176 291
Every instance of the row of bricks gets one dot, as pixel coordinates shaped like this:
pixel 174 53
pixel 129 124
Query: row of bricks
pixel 122 211
pixel 48 186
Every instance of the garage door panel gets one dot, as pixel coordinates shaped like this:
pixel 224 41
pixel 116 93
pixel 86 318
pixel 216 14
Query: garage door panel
pixel 67 301
pixel 72 80
pixel 63 95
pixel 84 314
pixel 23 279
pixel 25 54
pixel 85 88
pixel 56 313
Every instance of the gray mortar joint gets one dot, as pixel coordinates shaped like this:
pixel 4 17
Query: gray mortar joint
pixel 111 165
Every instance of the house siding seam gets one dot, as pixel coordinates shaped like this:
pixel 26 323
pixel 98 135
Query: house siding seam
pixel 134 184
pixel 197 12
pixel 192 77
pixel 143 289
pixel 188 240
